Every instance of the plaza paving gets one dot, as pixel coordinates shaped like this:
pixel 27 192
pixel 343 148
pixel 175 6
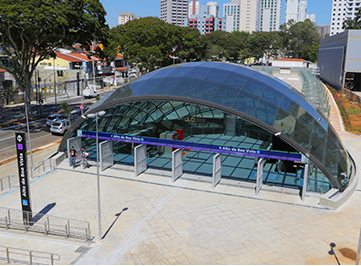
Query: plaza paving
pixel 150 220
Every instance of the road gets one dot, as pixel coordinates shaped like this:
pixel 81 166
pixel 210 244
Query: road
pixel 39 132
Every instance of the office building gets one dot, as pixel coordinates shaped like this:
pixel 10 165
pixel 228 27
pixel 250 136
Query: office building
pixel 125 17
pixel 302 11
pixel 271 15
pixel 213 9
pixel 174 11
pixel 250 15
pixel 323 30
pixel 311 17
pixel 342 10
pixel 194 4
pixel 292 10
pixel 231 13
pixel 205 22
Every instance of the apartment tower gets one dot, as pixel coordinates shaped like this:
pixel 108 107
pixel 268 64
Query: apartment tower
pixel 174 11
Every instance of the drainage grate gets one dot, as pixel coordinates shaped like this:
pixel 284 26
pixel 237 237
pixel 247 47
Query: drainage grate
pixel 82 249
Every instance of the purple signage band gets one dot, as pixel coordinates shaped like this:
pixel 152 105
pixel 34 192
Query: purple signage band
pixel 278 155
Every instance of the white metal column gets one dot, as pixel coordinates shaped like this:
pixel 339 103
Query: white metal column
pixel 140 159
pixel 305 181
pixel 259 180
pixel 106 154
pixel 177 164
pixel 217 169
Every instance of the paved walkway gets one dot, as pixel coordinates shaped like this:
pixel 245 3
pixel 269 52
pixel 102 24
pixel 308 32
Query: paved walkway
pixel 149 220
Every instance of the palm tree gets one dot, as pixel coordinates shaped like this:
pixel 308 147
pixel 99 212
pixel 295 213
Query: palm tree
pixel 353 24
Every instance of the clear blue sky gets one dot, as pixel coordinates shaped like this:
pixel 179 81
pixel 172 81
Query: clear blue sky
pixel 146 8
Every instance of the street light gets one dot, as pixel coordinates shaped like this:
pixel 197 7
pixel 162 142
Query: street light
pixel 96 115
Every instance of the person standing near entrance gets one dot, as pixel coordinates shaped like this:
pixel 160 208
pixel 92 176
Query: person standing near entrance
pixel 84 156
pixel 72 156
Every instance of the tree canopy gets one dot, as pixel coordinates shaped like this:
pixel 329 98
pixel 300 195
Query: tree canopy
pixel 353 24
pixel 32 30
pixel 150 42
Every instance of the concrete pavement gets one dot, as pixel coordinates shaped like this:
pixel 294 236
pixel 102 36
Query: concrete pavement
pixel 149 220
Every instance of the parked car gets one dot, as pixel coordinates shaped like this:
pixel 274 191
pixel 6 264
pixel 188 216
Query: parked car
pixel 90 92
pixel 54 117
pixel 59 127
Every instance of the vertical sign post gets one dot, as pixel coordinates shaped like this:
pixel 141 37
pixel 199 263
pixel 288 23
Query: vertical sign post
pixel 20 141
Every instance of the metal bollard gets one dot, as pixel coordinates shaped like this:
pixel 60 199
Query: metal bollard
pixel 46 230
pixel 7 255
pixel 66 231
pixel 6 221
pixel 9 216
pixel 31 258
pixel 51 259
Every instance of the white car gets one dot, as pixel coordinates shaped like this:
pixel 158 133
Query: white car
pixel 54 117
pixel 59 127
pixel 90 92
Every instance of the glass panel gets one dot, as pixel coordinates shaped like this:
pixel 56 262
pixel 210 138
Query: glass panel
pixel 136 85
pixel 205 90
pixel 236 80
pixel 198 72
pixel 279 85
pixel 185 87
pixel 225 95
pixel 266 112
pixel 254 86
pixel 261 78
pixel 180 72
pixel 246 103
pixel 272 95
pixel 217 75
pixel 147 87
pixel 290 106
pixel 227 67
pixel 166 86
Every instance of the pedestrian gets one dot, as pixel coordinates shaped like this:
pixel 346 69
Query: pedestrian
pixel 72 156
pixel 84 156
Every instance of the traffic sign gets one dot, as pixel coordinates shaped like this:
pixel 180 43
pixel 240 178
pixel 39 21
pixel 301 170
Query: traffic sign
pixel 81 107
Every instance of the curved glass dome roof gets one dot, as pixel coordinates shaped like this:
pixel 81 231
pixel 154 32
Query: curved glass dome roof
pixel 258 97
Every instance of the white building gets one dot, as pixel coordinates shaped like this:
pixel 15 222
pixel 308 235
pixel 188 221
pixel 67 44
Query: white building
pixel 271 15
pixel 292 10
pixel 231 15
pixel 302 11
pixel 342 10
pixel 125 17
pixel 213 9
pixel 311 17
pixel 190 8
pixel 174 11
pixel 250 15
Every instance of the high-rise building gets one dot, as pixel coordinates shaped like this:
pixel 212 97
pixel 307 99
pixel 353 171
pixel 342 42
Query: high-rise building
pixel 323 30
pixel 302 11
pixel 231 15
pixel 311 17
pixel 271 15
pixel 250 15
pixel 196 8
pixel 342 10
pixel 174 11
pixel 125 17
pixel 213 9
pixel 292 10
pixel 205 22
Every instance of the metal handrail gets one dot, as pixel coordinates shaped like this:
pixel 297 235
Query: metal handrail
pixel 25 253
pixel 47 224
pixel 2 181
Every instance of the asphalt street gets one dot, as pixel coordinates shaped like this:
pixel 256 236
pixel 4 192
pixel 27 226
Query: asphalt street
pixel 39 132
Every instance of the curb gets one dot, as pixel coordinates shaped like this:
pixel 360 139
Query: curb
pixel 8 160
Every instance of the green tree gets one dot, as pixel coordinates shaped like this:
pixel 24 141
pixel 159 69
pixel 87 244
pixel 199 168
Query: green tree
pixel 150 42
pixel 66 109
pixel 302 37
pixel 32 30
pixel 265 44
pixel 353 24
pixel 223 44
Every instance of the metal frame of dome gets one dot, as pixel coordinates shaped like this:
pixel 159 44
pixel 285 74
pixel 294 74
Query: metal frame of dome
pixel 183 83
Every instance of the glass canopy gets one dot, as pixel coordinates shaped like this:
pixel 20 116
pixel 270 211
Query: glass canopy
pixel 268 100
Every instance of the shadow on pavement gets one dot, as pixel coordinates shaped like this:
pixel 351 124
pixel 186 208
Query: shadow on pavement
pixel 44 211
pixel 110 227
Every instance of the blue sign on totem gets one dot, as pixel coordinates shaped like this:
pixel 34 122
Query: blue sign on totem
pixel 288 156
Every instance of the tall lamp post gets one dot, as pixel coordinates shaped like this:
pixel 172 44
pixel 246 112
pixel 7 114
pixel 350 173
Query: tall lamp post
pixel 96 115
